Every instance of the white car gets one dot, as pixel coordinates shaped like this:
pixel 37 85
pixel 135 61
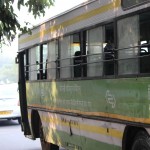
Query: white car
pixel 9 102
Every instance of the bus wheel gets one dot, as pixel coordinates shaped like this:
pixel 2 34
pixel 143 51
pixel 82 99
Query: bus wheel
pixel 141 141
pixel 45 145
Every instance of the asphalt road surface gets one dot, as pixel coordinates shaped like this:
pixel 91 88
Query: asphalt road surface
pixel 12 138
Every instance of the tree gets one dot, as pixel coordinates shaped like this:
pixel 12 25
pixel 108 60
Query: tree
pixel 9 23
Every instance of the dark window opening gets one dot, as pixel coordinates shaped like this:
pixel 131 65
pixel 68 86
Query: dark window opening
pixel 144 42
pixel 109 50
pixel 41 61
pixel 79 61
pixel 84 52
pixel 77 64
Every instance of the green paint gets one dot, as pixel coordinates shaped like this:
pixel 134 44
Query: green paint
pixel 74 142
pixel 130 96
pixel 127 97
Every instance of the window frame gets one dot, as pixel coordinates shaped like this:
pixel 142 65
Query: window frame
pixel 83 46
pixel 132 6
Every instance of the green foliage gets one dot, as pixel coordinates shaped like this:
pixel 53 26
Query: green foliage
pixel 9 23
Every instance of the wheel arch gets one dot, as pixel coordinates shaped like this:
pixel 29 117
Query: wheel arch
pixel 129 134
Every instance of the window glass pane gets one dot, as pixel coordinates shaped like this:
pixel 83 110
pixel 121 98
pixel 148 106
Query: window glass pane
pixel 32 64
pixel 25 66
pixel 130 3
pixel 94 57
pixel 52 56
pixel 26 63
pixel 45 59
pixel 128 32
pixel 65 54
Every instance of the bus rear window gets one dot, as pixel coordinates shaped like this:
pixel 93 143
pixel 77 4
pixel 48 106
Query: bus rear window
pixel 132 3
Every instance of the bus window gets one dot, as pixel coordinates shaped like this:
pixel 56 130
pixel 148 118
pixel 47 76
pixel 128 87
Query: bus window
pixel 83 46
pixel 94 57
pixel 37 59
pixel 144 41
pixel 44 54
pixel 76 54
pixel 77 64
pixel 34 60
pixel 128 35
pixel 52 57
pixel 65 57
pixel 26 65
pixel 109 49
pixel 79 51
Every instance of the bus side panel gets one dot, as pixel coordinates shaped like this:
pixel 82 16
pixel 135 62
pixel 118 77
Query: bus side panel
pixel 115 100
pixel 120 99
pixel 79 133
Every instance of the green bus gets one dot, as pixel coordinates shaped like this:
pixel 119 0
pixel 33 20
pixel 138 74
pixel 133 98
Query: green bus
pixel 84 77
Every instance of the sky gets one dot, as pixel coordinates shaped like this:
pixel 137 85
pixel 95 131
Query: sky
pixel 59 7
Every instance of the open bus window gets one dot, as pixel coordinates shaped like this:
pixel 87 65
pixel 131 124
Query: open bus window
pixel 79 49
pixel 37 61
pixel 144 49
pixel 71 50
pixel 41 58
pixel 144 41
pixel 77 64
pixel 109 50
pixel 77 55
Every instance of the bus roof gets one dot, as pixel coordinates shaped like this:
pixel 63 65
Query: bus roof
pixel 80 17
pixel 62 13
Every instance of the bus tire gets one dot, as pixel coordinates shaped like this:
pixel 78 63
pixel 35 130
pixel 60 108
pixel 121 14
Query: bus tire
pixel 45 145
pixel 141 141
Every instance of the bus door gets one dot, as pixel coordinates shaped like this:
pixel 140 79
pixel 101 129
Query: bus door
pixel 23 75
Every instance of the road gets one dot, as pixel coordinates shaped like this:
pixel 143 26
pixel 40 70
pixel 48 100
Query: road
pixel 11 137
